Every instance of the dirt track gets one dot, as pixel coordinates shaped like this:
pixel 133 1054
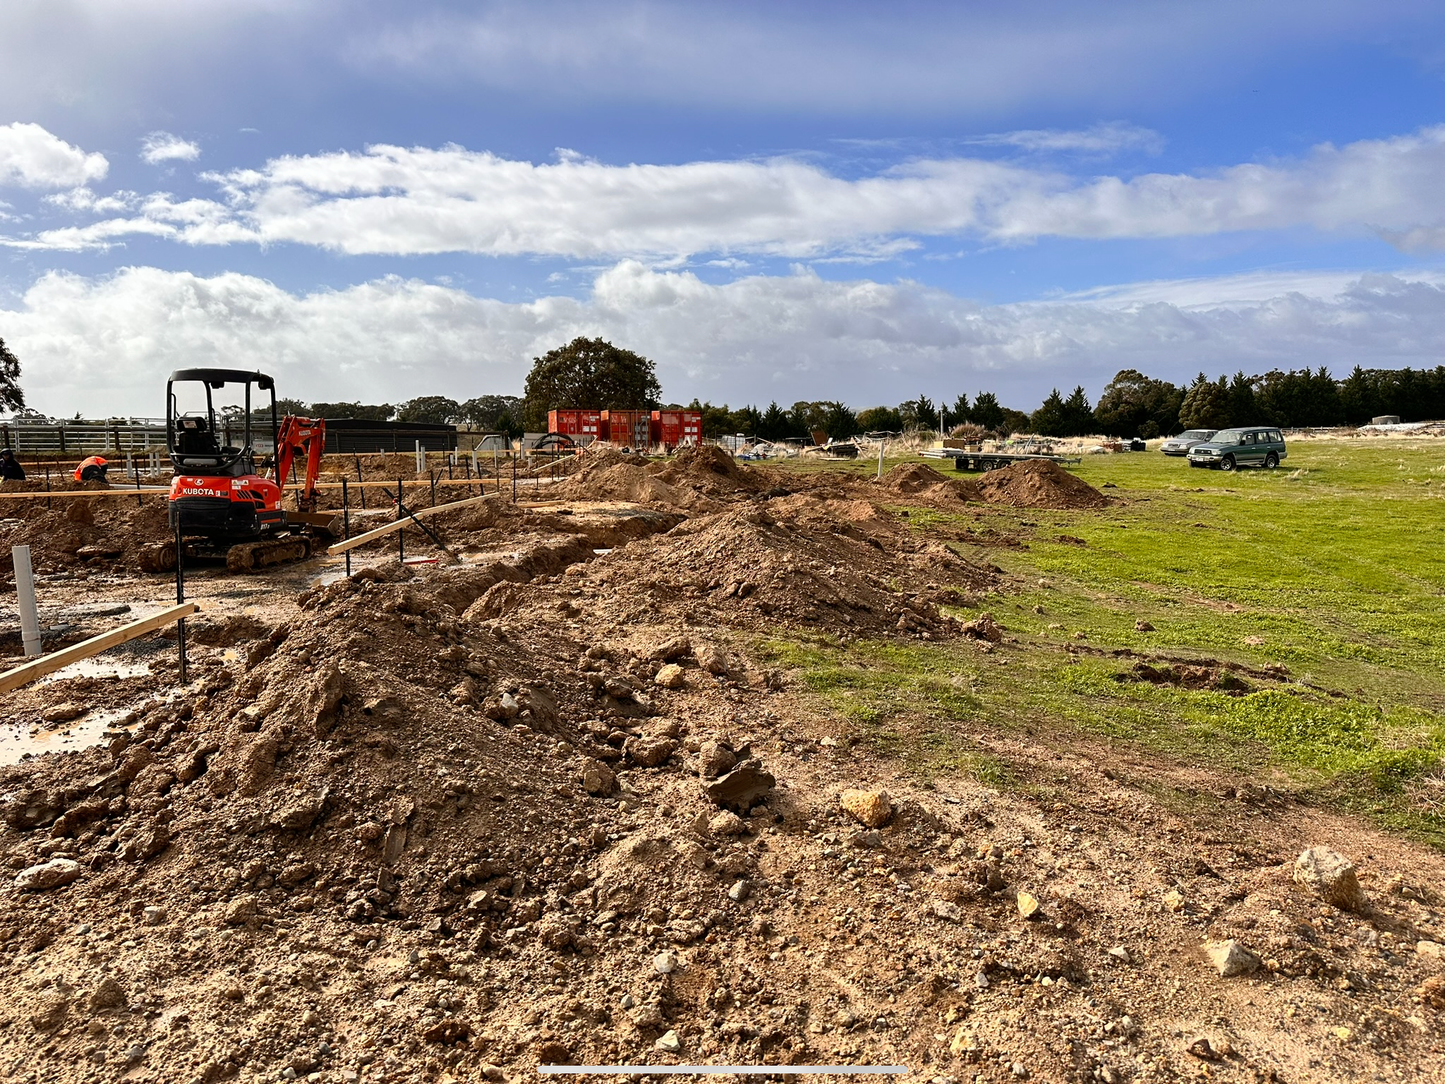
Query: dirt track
pixel 455 821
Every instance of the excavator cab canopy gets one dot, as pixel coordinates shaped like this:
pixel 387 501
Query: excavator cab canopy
pixel 199 439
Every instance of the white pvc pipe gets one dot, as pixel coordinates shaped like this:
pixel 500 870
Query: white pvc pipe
pixel 25 590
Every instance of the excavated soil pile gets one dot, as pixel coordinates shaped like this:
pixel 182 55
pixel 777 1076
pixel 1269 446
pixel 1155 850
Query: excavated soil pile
pixel 795 562
pixel 711 471
pixel 1038 483
pixel 918 480
pixel 625 480
pixel 496 515
pixel 423 807
pixel 101 533
pixel 61 481
pixel 543 808
pixel 593 457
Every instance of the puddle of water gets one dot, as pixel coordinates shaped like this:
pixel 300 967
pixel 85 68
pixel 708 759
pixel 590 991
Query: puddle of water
pixel 17 741
pixel 98 667
pixel 328 577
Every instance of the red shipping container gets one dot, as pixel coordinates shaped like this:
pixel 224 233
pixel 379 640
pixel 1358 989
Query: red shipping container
pixel 575 423
pixel 691 427
pixel 628 428
pixel 673 428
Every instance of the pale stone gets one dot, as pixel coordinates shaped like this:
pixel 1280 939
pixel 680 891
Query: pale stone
pixel 1331 876
pixel 869 807
pixel 1230 958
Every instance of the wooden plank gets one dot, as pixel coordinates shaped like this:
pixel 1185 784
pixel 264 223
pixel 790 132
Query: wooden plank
pixel 293 487
pixel 48 664
pixel 421 513
pixel 119 490
pixel 162 491
pixel 396 525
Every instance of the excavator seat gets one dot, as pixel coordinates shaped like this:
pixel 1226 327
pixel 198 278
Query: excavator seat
pixel 194 437
pixel 198 450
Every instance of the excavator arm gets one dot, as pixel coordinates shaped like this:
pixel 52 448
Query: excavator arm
pixel 295 437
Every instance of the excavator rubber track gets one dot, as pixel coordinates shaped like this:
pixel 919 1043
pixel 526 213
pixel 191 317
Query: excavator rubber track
pixel 254 556
pixel 158 557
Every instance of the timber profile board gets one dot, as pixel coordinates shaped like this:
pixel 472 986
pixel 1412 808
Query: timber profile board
pixel 57 660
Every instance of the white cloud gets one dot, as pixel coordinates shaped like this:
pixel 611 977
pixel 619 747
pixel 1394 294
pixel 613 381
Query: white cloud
pixel 103 345
pixel 163 147
pixel 31 157
pixel 1227 291
pixel 405 201
pixel 1099 139
pixel 84 200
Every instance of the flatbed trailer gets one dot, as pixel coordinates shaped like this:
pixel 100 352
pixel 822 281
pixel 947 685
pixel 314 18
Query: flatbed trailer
pixel 966 459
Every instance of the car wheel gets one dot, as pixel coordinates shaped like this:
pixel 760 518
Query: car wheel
pixel 1271 461
pixel 1227 463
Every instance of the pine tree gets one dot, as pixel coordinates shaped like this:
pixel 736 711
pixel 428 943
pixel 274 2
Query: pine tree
pixel 1078 414
pixel 1051 419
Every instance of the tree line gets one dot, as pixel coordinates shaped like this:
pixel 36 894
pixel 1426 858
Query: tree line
pixel 1132 405
pixel 594 373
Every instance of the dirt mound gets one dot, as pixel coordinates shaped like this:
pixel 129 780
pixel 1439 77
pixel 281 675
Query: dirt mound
pixel 625 479
pixel 493 511
pixel 1187 677
pixel 823 566
pixel 395 786
pixel 1038 483
pixel 77 532
pixel 548 806
pixel 597 456
pixel 911 478
pixel 919 480
pixel 710 470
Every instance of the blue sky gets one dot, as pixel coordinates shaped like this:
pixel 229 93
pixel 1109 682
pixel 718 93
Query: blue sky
pixel 773 201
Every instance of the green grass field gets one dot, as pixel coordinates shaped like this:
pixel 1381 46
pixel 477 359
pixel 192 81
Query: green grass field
pixel 1330 567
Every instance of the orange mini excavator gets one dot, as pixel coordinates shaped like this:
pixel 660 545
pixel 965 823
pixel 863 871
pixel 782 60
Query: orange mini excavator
pixel 219 504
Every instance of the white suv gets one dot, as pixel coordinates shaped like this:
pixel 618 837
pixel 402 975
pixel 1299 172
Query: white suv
pixel 1181 444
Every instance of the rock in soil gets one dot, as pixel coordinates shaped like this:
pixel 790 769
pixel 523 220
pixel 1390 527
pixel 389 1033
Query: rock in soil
pixel 108 995
pixel 56 873
pixel 868 807
pixel 1230 958
pixel 670 676
pixel 1331 876
pixel 741 788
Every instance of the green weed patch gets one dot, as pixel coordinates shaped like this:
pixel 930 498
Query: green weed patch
pixel 1329 568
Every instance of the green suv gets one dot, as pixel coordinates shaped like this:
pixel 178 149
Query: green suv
pixel 1231 448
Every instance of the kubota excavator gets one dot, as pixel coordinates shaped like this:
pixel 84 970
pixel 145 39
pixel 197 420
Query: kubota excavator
pixel 218 501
